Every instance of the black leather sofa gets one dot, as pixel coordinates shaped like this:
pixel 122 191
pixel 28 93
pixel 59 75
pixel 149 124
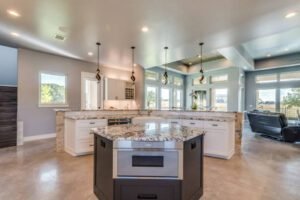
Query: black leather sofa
pixel 273 125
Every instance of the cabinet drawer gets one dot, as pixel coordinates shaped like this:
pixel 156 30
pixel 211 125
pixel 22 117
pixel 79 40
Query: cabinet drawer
pixel 192 123
pixel 84 133
pixel 91 123
pixel 215 125
pixel 147 189
pixel 85 145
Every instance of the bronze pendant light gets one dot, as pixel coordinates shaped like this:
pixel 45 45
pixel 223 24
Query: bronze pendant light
pixel 165 79
pixel 132 73
pixel 201 64
pixel 98 77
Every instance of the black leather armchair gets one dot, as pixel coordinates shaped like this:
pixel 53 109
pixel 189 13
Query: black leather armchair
pixel 274 125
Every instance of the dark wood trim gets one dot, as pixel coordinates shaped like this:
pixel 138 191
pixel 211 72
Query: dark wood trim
pixel 8 116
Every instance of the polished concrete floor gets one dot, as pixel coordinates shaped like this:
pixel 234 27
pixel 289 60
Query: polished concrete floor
pixel 264 170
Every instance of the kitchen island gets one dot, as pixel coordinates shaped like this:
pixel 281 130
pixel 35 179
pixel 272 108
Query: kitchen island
pixel 157 160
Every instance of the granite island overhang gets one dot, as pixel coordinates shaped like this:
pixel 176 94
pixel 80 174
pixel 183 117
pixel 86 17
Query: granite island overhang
pixel 157 160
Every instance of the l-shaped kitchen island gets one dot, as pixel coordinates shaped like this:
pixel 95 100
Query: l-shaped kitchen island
pixel 151 160
pixel 222 129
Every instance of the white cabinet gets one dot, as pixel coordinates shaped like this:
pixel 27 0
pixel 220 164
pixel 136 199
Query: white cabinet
pixel 78 139
pixel 219 139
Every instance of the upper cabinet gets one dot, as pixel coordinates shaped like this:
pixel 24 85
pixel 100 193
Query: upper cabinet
pixel 119 89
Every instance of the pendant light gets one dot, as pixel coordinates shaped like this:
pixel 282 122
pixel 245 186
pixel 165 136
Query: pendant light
pixel 165 76
pixel 201 63
pixel 132 73
pixel 98 77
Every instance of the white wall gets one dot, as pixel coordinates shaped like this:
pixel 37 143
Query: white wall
pixel 38 120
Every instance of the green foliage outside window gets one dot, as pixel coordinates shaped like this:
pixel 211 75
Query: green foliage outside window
pixel 292 99
pixel 52 94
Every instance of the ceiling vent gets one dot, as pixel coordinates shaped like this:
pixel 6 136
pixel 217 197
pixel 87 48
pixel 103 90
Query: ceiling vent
pixel 60 37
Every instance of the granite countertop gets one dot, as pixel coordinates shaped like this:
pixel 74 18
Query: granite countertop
pixel 217 119
pixel 154 131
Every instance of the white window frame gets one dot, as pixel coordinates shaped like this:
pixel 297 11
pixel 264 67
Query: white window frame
pixel 66 90
pixel 214 95
pixel 291 80
pixel 219 75
pixel 266 75
pixel 174 98
pixel 156 99
pixel 91 76
pixel 170 98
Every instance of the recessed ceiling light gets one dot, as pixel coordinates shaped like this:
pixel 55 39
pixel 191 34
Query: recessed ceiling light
pixel 269 55
pixel 290 15
pixel 13 13
pixel 286 49
pixel 90 53
pixel 145 29
pixel 15 34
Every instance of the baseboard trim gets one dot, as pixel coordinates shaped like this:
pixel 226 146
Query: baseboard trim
pixel 39 137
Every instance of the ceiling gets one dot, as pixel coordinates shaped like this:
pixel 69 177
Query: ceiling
pixel 178 24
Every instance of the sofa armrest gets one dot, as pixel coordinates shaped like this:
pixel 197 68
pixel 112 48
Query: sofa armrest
pixel 291 133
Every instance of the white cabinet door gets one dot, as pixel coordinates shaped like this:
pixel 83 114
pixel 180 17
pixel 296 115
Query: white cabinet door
pixel 216 143
pixel 78 134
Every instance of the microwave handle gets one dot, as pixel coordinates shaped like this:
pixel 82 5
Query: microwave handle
pixel 146 196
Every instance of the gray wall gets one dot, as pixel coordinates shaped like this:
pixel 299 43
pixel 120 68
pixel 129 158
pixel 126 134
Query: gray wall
pixel 234 85
pixel 251 86
pixel 8 66
pixel 39 120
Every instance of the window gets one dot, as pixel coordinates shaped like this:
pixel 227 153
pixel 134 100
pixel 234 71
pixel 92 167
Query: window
pixel 178 99
pixel 52 90
pixel 165 99
pixel 151 97
pixel 219 99
pixel 270 78
pixel 266 99
pixel 150 75
pixel 290 102
pixel 178 81
pixel 90 92
pixel 219 78
pixel 290 76
pixel 197 82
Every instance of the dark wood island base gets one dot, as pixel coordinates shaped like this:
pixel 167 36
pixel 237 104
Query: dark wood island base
pixel 190 187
